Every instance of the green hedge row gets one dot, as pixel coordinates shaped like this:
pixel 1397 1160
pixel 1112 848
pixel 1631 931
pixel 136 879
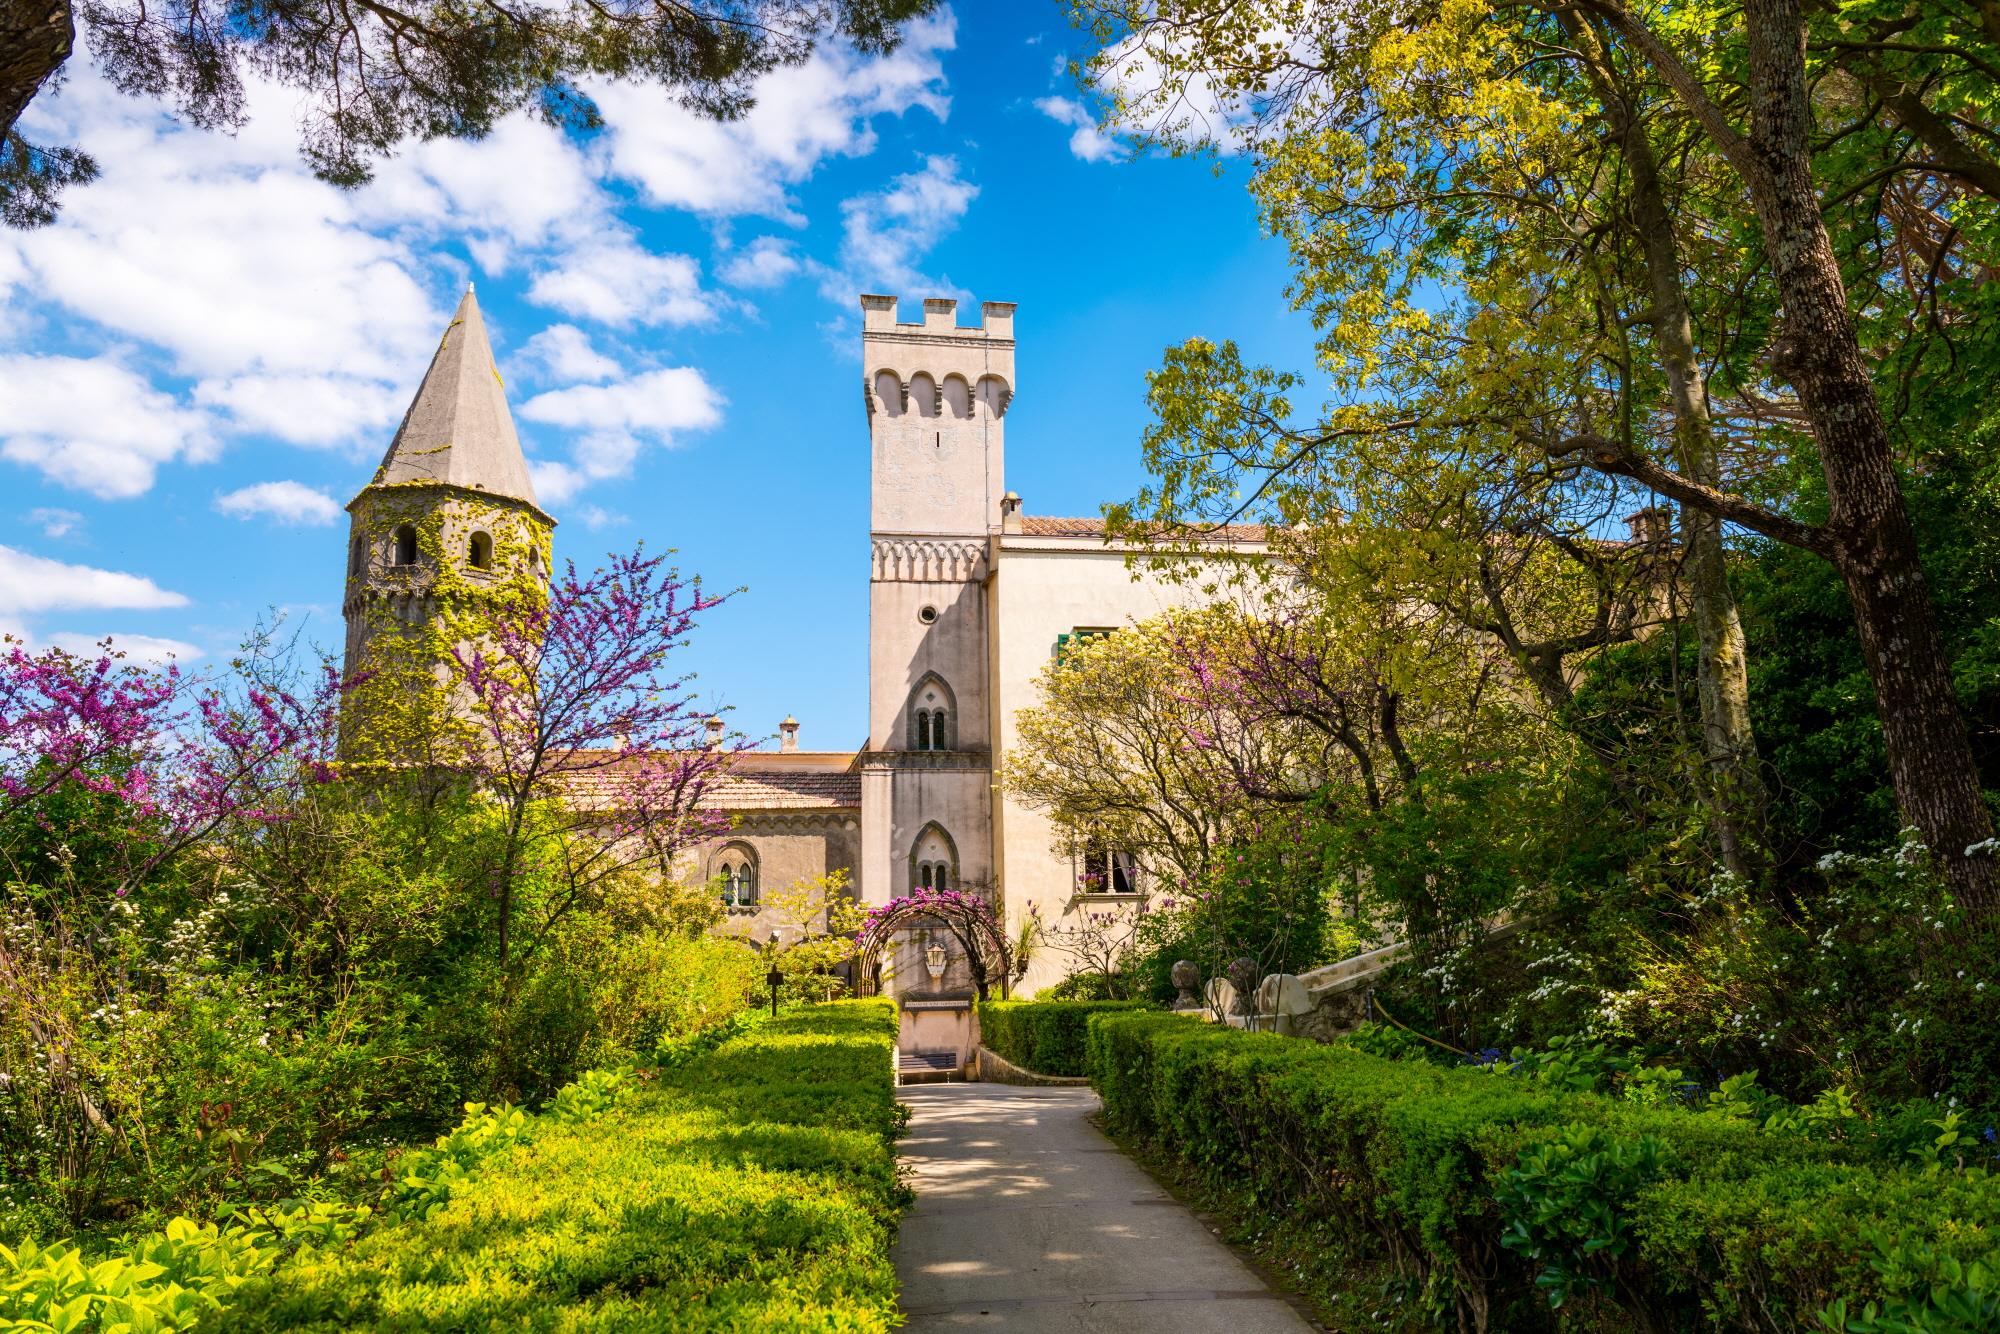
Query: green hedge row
pixel 1499 1198
pixel 1046 1037
pixel 753 1188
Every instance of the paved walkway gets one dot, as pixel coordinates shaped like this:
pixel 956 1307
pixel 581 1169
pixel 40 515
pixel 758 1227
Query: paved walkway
pixel 1028 1219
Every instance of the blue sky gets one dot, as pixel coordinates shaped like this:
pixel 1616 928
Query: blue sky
pixel 205 358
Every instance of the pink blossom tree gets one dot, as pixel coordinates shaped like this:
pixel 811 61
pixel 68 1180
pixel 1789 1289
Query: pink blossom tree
pixel 175 756
pixel 583 727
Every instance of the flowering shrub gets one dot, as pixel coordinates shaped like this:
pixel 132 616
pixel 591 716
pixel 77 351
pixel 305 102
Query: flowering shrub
pixel 1870 984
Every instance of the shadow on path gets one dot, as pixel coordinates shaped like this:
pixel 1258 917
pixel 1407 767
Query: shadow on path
pixel 1028 1219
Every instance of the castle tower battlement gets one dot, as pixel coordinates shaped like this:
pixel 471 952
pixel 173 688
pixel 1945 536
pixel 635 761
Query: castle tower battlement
pixel 937 397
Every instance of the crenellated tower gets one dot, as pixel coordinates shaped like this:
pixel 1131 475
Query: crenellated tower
pixel 449 517
pixel 937 396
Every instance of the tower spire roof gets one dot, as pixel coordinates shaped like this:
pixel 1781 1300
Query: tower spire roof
pixel 458 431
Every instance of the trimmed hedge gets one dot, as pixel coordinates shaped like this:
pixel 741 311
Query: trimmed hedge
pixel 754 1188
pixel 1495 1194
pixel 1046 1037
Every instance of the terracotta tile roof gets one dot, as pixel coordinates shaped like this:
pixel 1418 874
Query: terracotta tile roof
pixel 1042 525
pixel 821 783
pixel 769 790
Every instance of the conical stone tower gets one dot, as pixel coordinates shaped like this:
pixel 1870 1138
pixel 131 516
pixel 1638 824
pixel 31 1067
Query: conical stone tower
pixel 448 522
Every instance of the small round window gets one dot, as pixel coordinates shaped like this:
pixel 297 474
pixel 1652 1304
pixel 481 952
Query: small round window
pixel 928 615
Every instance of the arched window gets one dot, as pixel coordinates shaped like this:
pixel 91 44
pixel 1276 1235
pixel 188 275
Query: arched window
pixel 933 859
pixel 406 545
pixel 736 876
pixel 931 715
pixel 481 554
pixel 357 560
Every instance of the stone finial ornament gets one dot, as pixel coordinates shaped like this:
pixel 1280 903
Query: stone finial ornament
pixel 1186 977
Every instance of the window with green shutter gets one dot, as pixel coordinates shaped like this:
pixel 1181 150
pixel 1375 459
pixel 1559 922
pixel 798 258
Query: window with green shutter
pixel 1080 635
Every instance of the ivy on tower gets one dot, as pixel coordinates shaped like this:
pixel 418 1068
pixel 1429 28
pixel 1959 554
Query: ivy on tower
pixel 448 524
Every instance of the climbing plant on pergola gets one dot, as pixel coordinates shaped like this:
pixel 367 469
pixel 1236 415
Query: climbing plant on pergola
pixel 965 914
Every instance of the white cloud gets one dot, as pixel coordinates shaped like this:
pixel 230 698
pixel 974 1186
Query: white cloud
pixel 287 502
pixel 555 482
pixel 616 421
pixel 597 519
pixel 524 186
pixel 616 281
pixel 30 583
pixel 55 523
pixel 222 249
pixel 92 424
pixel 305 409
pixel 139 648
pixel 1086 141
pixel 1185 106
pixel 767 262
pixel 656 403
pixel 566 353
pixel 804 114
pixel 886 233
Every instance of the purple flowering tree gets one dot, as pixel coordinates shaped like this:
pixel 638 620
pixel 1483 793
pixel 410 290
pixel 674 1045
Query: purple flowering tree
pixel 585 729
pixel 1290 712
pixel 966 914
pixel 173 756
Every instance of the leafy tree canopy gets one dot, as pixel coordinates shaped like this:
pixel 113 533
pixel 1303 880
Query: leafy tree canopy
pixel 377 72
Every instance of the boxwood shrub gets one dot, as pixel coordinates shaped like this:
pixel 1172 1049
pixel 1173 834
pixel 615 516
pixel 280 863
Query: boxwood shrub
pixel 753 1187
pixel 1497 1197
pixel 1046 1037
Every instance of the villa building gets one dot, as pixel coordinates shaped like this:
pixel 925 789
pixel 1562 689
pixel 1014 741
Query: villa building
pixel 969 598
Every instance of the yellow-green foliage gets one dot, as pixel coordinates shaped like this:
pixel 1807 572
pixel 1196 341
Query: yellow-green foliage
pixel 175 1278
pixel 167 1280
pixel 754 1188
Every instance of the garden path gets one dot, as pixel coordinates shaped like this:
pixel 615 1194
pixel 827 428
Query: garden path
pixel 1027 1218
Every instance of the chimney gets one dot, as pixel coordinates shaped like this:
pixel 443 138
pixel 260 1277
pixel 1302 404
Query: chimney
pixel 1650 526
pixel 1010 512
pixel 788 734
pixel 714 733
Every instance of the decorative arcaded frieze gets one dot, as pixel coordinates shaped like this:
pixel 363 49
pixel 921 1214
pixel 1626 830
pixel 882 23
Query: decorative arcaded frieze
pixel 928 560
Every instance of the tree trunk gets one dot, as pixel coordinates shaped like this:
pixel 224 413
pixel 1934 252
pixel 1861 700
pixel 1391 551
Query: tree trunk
pixel 36 37
pixel 1736 788
pixel 1873 545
